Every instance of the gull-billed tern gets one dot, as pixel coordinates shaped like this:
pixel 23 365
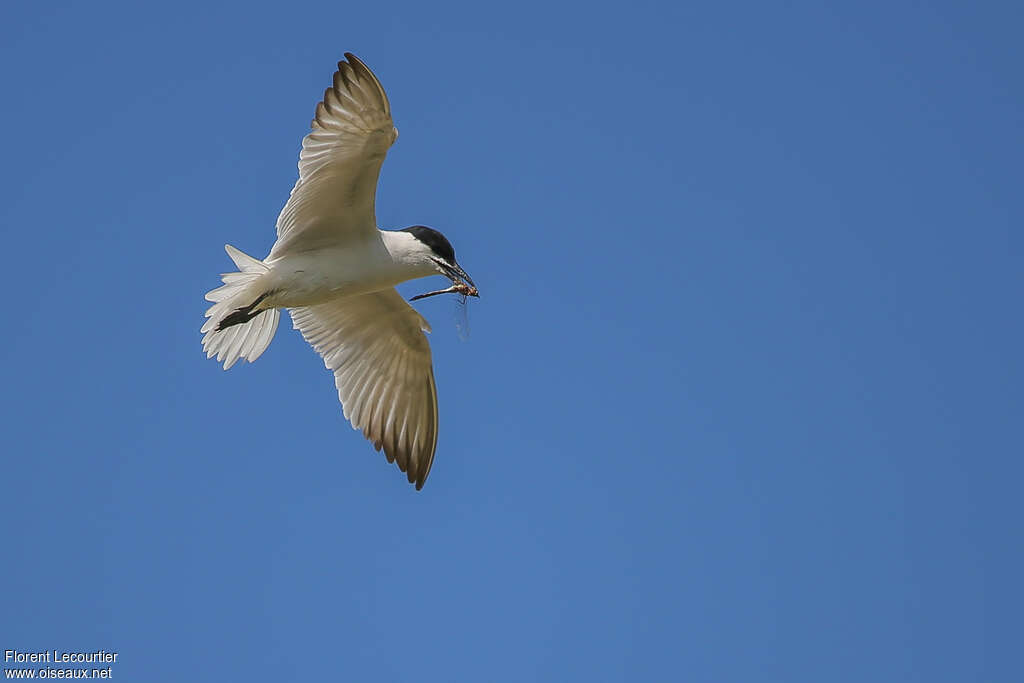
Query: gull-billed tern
pixel 336 272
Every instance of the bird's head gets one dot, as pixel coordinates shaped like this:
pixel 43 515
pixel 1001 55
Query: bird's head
pixel 435 251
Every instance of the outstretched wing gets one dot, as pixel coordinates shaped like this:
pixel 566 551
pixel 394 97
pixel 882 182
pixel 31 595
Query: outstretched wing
pixel 333 199
pixel 376 346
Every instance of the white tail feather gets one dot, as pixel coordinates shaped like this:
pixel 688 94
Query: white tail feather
pixel 246 340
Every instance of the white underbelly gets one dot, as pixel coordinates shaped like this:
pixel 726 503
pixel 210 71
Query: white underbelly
pixel 321 276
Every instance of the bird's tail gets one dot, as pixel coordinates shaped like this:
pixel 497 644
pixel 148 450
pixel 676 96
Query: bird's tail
pixel 233 330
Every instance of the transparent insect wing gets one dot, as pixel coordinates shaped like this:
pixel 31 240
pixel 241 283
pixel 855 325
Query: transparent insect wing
pixel 462 317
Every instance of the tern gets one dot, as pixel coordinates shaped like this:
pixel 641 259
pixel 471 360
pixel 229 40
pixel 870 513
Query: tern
pixel 335 272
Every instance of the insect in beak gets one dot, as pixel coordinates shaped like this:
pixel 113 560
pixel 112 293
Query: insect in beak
pixel 454 273
pixel 457 288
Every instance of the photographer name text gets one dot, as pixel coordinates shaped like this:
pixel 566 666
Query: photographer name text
pixel 59 657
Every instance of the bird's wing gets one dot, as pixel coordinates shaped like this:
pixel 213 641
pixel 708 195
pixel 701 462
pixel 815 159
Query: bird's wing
pixel 376 346
pixel 333 199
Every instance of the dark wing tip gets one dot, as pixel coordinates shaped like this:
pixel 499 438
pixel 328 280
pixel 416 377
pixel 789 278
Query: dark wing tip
pixel 353 65
pixel 363 73
pixel 419 478
pixel 359 68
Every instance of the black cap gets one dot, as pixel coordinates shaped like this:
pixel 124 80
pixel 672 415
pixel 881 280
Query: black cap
pixel 437 242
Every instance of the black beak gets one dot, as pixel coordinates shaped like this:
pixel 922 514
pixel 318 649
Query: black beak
pixel 455 272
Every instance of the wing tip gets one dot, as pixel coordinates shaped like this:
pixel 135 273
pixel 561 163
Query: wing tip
pixel 363 72
pixel 418 478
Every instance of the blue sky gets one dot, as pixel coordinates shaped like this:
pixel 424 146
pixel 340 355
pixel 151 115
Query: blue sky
pixel 741 400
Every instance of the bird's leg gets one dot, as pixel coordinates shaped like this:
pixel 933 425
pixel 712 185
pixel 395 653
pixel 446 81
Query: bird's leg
pixel 241 315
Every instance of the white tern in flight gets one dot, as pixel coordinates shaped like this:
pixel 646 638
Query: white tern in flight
pixel 336 272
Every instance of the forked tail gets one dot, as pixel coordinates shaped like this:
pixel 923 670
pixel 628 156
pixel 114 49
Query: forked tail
pixel 234 330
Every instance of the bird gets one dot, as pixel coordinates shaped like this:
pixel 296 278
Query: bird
pixel 335 272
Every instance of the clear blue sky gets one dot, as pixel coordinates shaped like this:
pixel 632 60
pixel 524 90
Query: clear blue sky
pixel 742 399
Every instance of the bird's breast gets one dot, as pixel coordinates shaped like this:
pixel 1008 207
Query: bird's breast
pixel 311 278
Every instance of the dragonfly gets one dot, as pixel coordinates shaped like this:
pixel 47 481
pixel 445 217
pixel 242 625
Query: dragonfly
pixel 461 312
